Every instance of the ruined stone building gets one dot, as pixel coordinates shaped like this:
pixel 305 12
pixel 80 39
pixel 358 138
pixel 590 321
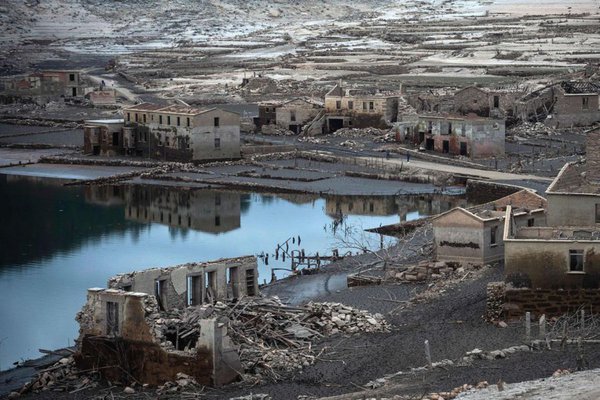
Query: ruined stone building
pixel 493 102
pixel 470 135
pixel 194 284
pixel 169 133
pixel 100 98
pixel 292 114
pixel 121 337
pixel 184 133
pixel 107 137
pixel 475 235
pixel 562 105
pixel 44 86
pixel 359 108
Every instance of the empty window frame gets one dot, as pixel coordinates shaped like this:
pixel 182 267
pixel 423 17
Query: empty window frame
pixel 371 106
pixel 576 260
pixel 72 77
pixel 144 117
pixel 293 116
pixel 531 222
pixel 585 103
pixel 178 121
pixel 112 318
pixel 160 119
pixel 217 143
pixel 194 290
pixel 493 236
pixel 350 105
pixel 338 105
pixel 597 219
pixel 217 122
pixel 496 101
pixel 187 123
pixel 168 120
pixel 160 290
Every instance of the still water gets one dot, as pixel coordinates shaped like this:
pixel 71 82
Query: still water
pixel 57 241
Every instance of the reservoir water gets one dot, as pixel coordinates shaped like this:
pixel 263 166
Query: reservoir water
pixel 56 241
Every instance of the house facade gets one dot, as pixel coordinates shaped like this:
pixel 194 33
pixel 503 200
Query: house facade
pixel 45 86
pixel 184 133
pixel 469 136
pixel 475 235
pixel 359 108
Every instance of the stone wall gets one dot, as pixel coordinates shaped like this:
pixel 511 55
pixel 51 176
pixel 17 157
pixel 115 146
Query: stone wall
pixel 511 303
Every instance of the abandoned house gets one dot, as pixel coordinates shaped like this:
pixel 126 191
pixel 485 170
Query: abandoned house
pixel 183 133
pixel 561 105
pixel 359 108
pixel 45 86
pixel 122 337
pixel 193 284
pixel 470 136
pixel 551 257
pixel 107 137
pixel 292 114
pixel 485 102
pixel 474 235
pixel 105 97
pixel 574 195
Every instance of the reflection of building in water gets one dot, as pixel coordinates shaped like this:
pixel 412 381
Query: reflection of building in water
pixel 360 205
pixel 206 211
pixel 106 195
pixel 201 210
pixel 426 205
pixel 390 205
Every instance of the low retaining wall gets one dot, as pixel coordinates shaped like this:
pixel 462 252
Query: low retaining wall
pixel 511 303
pixel 266 149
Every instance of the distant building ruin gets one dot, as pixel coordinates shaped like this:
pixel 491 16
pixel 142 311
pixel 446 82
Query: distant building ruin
pixel 359 108
pixel 292 115
pixel 176 133
pixel 44 86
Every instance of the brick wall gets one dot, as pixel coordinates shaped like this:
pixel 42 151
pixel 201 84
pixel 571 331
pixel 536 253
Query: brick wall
pixel 479 192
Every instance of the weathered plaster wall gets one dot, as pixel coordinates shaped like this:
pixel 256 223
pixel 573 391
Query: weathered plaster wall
pixel 572 209
pixel 545 264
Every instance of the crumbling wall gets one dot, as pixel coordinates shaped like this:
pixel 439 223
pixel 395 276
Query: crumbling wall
pixel 458 237
pixel 479 192
pixel 121 337
pixel 212 278
pixel 570 209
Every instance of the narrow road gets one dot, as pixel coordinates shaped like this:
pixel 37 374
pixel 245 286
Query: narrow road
pixel 113 84
pixel 452 169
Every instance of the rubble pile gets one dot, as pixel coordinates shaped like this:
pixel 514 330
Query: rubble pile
pixel 389 137
pixel 272 338
pixel 313 140
pixel 276 130
pixel 351 144
pixel 358 133
pixel 63 376
pixel 528 129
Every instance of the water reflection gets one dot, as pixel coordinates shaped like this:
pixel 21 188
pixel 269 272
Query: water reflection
pixel 405 207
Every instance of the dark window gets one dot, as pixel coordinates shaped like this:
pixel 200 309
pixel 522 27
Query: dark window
pixel 217 121
pixel 217 143
pixel 597 213
pixel 136 117
pixel 115 139
pixel 531 222
pixel 338 104
pixel 350 105
pixel 429 127
pixel 585 103
pixel 144 117
pixel 217 200
pixel 217 221
pixel 364 105
pixel 496 101
pixel 371 106
pixel 168 120
pixel 178 121
pixel 72 77
pixel 576 260
pixel 128 117
pixel 493 235
pixel 293 116
pixel 112 318
pixel 188 121
pixel 126 288
pixel 449 128
pixel 160 119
